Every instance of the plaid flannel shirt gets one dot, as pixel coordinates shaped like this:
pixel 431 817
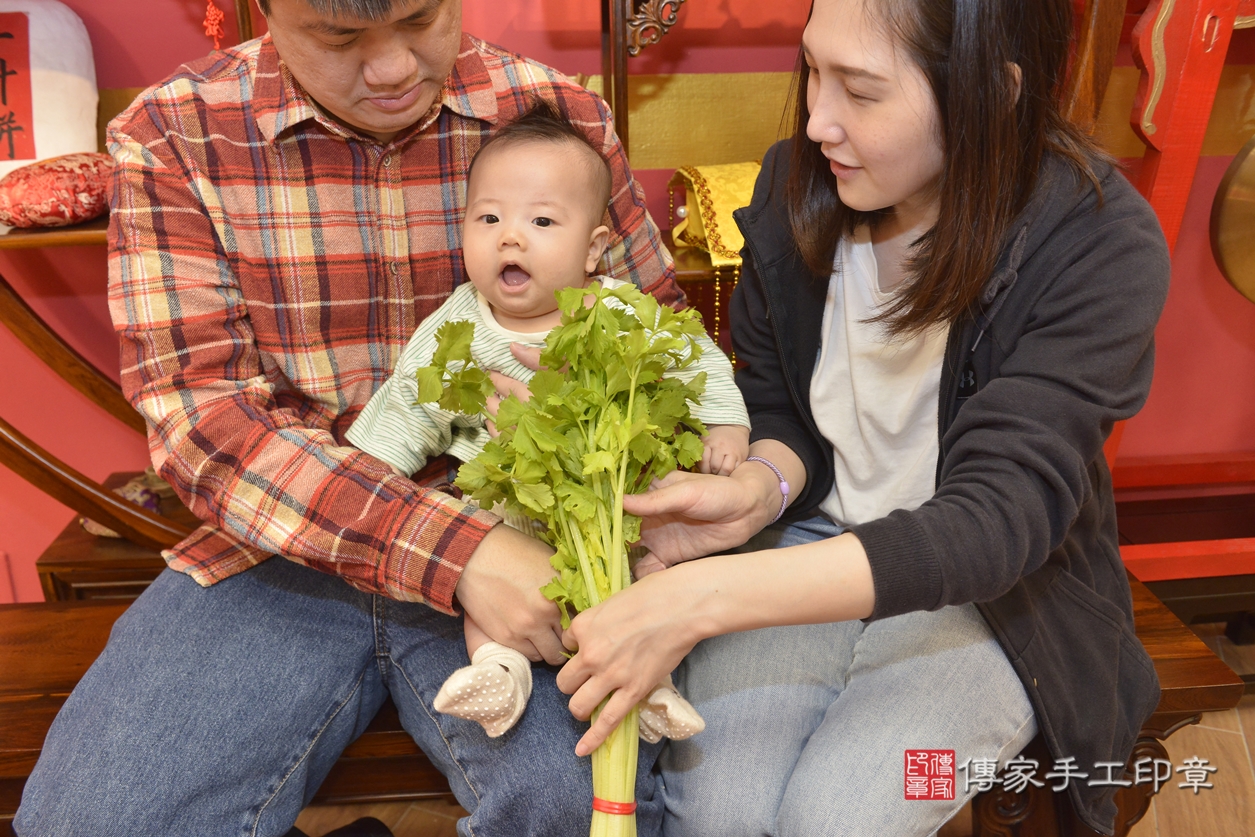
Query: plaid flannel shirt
pixel 267 265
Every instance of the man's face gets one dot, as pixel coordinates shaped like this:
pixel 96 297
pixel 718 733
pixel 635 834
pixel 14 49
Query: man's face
pixel 379 77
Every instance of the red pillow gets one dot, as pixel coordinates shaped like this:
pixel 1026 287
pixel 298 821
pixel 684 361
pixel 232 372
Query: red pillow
pixel 56 192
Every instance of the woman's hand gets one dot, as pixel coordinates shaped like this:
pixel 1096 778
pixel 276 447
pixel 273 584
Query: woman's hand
pixel 628 642
pixel 688 516
pixel 625 645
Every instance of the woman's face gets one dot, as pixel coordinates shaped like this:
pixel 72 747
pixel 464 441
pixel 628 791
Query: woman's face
pixel 872 113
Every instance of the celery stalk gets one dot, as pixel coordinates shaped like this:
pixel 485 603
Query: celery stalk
pixel 614 419
pixel 614 777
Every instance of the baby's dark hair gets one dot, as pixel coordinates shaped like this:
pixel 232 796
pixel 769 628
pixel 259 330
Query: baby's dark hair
pixel 543 122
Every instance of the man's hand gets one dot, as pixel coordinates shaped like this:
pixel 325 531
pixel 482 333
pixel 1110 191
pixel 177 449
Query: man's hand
pixel 500 590
pixel 505 386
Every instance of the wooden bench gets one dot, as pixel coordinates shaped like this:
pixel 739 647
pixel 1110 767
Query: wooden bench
pixel 46 647
pixel 1193 681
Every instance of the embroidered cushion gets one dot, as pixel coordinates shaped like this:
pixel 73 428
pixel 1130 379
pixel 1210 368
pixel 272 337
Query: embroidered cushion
pixel 55 193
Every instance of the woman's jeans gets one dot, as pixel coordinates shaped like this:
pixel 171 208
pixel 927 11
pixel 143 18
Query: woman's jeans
pixel 807 727
pixel 219 711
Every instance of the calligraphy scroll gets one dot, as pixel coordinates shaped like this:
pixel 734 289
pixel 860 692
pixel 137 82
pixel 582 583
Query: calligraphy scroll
pixel 17 118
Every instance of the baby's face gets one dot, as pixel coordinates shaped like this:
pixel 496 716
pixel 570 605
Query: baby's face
pixel 529 230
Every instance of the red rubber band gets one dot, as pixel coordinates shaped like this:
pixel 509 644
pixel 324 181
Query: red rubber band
pixel 608 807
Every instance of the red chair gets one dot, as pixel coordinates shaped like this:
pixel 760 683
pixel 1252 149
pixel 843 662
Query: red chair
pixel 1180 46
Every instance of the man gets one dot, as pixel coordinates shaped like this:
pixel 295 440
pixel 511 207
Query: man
pixel 284 214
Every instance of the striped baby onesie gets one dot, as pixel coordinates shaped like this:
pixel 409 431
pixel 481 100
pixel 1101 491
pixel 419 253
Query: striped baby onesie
pixel 392 427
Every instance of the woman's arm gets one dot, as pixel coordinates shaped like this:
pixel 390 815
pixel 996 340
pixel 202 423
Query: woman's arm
pixel 629 642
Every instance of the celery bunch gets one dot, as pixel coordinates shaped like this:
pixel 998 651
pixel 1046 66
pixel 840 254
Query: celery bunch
pixel 605 426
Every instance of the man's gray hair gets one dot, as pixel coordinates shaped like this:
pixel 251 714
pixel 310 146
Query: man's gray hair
pixel 360 9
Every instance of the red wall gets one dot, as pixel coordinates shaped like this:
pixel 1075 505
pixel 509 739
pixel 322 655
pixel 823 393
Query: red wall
pixel 1203 396
pixel 137 42
pixel 1202 400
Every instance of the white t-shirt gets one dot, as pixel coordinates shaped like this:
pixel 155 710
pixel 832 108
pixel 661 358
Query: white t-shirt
pixel 874 397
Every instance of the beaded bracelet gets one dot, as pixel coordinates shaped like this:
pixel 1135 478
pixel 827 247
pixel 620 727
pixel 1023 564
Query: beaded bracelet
pixel 784 485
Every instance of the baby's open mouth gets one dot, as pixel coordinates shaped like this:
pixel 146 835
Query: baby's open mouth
pixel 514 276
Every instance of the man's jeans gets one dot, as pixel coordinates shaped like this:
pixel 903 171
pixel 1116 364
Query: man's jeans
pixel 806 726
pixel 219 711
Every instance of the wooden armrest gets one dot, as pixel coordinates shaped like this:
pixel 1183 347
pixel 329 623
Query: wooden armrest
pixel 75 235
pixel 48 346
pixel 60 481
pixel 1097 42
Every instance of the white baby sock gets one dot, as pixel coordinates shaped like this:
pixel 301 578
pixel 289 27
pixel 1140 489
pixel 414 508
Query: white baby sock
pixel 665 714
pixel 492 691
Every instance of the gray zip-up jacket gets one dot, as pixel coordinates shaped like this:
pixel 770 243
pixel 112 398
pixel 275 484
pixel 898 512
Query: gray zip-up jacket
pixel 1023 520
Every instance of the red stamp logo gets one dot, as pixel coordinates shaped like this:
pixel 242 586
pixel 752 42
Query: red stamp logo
pixel 929 774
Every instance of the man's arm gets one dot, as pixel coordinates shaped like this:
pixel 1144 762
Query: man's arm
pixel 236 449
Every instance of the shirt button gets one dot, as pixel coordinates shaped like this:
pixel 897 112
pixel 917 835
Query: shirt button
pixel 394 268
pixel 387 160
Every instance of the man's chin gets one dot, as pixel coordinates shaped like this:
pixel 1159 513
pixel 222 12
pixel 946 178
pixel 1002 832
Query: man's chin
pixel 382 124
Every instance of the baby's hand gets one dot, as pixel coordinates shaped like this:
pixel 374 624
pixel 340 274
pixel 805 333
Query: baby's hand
pixel 726 445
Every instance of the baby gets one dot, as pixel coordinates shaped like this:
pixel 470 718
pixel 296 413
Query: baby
pixel 537 193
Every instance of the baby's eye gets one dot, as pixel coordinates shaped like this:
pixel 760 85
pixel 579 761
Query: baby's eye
pixel 491 219
pixel 541 222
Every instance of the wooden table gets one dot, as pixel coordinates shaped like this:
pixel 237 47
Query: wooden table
pixel 79 566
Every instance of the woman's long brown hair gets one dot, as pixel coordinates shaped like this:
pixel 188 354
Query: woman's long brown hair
pixel 993 142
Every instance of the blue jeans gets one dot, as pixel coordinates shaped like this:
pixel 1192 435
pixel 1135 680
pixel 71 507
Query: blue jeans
pixel 806 726
pixel 220 710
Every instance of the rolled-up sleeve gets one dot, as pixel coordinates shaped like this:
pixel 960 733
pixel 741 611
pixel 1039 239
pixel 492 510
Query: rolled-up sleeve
pixel 264 480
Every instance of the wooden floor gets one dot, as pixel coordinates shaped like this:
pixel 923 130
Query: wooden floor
pixel 406 819
pixel 1225 739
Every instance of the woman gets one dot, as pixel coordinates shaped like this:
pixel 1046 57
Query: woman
pixel 948 298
